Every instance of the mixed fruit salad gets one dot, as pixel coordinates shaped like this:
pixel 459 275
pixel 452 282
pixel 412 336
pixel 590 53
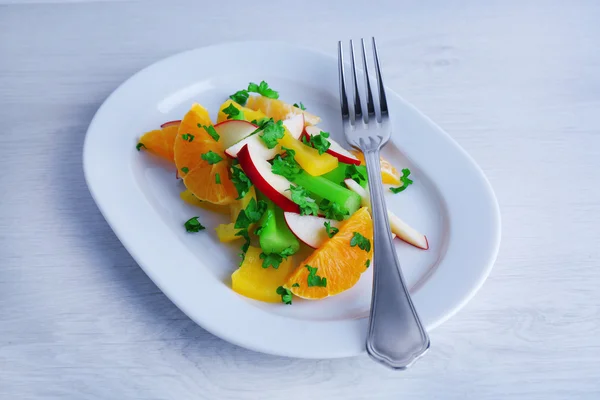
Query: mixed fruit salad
pixel 286 185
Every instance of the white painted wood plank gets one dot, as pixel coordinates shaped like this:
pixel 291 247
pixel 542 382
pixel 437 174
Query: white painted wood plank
pixel 517 84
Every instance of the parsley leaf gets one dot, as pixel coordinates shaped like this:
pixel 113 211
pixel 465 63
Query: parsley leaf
pixel 252 213
pixel 275 259
pixel 185 170
pixel 296 284
pixel 332 210
pixel 286 166
pixel 188 137
pixel 318 142
pixel 307 204
pixel 354 173
pixel 331 230
pixel 244 233
pixel 193 225
pixel 240 97
pixel 233 112
pixel 211 131
pixel 241 181
pixel 139 146
pixel 314 279
pixel 263 89
pixel 405 182
pixel 362 242
pixel 368 263
pixel 211 157
pixel 300 106
pixel 272 132
pixel 286 295
pixel 217 179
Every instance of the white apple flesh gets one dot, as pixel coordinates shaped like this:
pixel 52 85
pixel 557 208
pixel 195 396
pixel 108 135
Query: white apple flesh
pixel 335 149
pixel 400 228
pixel 258 169
pixel 309 228
pixel 232 131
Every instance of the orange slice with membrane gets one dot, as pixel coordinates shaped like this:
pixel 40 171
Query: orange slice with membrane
pixel 160 141
pixel 247 113
pixel 278 110
pixel 337 261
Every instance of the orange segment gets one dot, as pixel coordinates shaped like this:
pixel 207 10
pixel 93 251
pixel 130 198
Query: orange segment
pixel 201 182
pixel 277 109
pixel 154 142
pixel 389 174
pixel 169 135
pixel 248 114
pixel 189 198
pixel 188 152
pixel 254 281
pixel 337 261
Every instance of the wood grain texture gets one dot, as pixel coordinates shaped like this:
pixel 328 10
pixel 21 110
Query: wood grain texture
pixel 516 83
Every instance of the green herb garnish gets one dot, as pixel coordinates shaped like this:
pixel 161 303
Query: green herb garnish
pixel 275 259
pixel 263 89
pixel 193 225
pixel 286 166
pixel 211 157
pixel 368 263
pixel 211 131
pixel 286 295
pixel 241 181
pixel 362 242
pixel 139 146
pixel 296 284
pixel 217 178
pixel 251 214
pixel 354 173
pixel 240 97
pixel 185 170
pixel 300 106
pixel 244 233
pixel 332 210
pixel 233 112
pixel 318 142
pixel 406 181
pixel 272 132
pixel 187 137
pixel 306 203
pixel 331 230
pixel 314 279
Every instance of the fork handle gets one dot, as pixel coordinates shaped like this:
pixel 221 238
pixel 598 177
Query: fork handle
pixel 396 336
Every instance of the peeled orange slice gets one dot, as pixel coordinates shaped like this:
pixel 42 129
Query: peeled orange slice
pixel 254 281
pixel 389 174
pixel 200 177
pixel 337 261
pixel 160 141
pixel 278 110
pixel 192 200
pixel 247 114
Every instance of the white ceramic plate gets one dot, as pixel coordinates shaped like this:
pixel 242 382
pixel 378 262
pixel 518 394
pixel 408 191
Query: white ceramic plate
pixel 451 202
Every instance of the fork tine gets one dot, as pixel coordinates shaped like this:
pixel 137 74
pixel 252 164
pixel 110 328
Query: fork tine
pixel 382 99
pixel 343 97
pixel 370 105
pixel 357 104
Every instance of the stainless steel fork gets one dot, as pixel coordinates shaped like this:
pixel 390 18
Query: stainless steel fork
pixel 396 336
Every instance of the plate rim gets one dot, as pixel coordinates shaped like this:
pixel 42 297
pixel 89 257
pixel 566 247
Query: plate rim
pixel 205 322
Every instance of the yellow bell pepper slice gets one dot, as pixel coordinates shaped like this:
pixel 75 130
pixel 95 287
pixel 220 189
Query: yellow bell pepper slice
pixel 309 159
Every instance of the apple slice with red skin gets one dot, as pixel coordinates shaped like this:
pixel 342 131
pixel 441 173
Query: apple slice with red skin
pixel 232 131
pixel 169 123
pixel 309 229
pixel 335 149
pixel 402 230
pixel 258 169
pixel 294 125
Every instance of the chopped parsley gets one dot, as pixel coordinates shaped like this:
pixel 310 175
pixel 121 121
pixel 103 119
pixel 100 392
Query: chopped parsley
pixel 240 97
pixel 188 137
pixel 211 157
pixel 217 179
pixel 300 106
pixel 241 181
pixel 263 89
pixel 272 132
pixel 185 170
pixel 139 146
pixel 406 181
pixel 354 173
pixel 211 131
pixel 331 230
pixel 368 263
pixel 286 166
pixel 193 225
pixel 362 242
pixel 296 284
pixel 286 295
pixel 244 233
pixel 318 142
pixel 251 214
pixel 332 210
pixel 314 279
pixel 233 112
pixel 275 259
pixel 306 203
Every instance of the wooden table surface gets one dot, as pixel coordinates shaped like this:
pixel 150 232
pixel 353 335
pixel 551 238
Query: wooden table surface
pixel 516 83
